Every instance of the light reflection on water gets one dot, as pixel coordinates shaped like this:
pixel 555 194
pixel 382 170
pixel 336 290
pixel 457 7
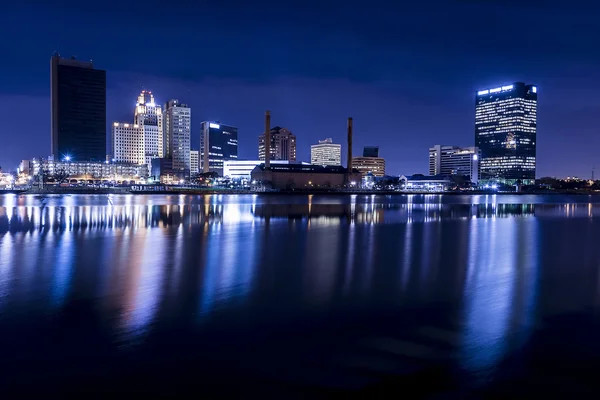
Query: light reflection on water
pixel 146 266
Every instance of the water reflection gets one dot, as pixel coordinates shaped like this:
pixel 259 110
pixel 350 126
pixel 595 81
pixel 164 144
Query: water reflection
pixel 142 269
pixel 73 218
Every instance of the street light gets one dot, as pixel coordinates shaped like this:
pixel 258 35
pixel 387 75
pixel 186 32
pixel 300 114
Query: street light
pixel 67 158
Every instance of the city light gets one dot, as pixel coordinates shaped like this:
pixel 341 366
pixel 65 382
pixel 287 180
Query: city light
pixel 67 158
pixel 475 157
pixel 534 89
pixel 216 126
pixel 482 92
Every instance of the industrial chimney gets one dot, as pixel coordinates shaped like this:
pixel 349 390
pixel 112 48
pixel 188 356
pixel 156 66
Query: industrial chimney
pixel 267 139
pixel 349 145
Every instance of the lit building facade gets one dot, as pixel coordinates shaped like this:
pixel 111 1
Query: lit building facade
pixel 241 169
pixel 177 135
pixel 326 153
pixel 218 143
pixel 452 160
pixel 91 170
pixel 194 162
pixel 148 116
pixel 78 110
pixel 283 145
pixel 366 165
pixel 142 141
pixel 505 133
pixel 128 143
pixel 370 162
pixel 371 151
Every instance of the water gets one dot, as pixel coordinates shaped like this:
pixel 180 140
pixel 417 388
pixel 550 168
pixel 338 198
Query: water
pixel 309 295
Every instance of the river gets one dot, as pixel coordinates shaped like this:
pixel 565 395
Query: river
pixel 309 295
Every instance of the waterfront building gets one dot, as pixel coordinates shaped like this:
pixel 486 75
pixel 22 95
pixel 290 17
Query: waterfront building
pixel 177 135
pixel 505 133
pixel 218 143
pixel 452 160
pixel 283 145
pixel 104 171
pixel 423 183
pixel 78 110
pixel 326 153
pixel 194 162
pixel 374 165
pixel 301 176
pixel 242 169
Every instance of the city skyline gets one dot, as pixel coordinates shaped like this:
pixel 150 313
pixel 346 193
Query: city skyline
pixel 405 108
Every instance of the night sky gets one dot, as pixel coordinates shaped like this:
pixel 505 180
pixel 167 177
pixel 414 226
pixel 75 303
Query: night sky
pixel 407 72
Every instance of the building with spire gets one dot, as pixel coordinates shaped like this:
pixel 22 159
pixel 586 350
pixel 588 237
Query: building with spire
pixel 141 141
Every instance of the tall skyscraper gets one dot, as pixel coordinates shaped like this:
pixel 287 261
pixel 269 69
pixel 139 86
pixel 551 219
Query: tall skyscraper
pixel 452 160
pixel 326 153
pixel 142 141
pixel 218 143
pixel 78 110
pixel 177 133
pixel 148 115
pixel 283 145
pixel 505 132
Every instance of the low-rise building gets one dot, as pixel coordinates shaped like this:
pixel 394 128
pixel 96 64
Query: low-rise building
pixel 366 165
pixel 241 169
pixel 91 170
pixel 453 160
pixel 425 183
pixel 301 176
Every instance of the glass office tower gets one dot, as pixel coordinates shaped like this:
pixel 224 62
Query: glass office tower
pixel 218 143
pixel 505 133
pixel 78 110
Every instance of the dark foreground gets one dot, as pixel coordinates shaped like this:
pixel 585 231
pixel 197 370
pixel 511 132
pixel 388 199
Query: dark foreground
pixel 305 296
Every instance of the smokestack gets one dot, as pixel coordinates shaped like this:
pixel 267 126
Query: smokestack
pixel 349 144
pixel 267 139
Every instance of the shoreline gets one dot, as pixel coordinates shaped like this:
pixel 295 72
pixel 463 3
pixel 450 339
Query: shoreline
pixel 182 191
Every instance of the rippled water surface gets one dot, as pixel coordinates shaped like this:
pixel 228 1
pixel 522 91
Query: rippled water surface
pixel 293 294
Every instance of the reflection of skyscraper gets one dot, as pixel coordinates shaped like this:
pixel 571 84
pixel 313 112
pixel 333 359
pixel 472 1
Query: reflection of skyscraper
pixel 505 132
pixel 78 108
pixel 283 145
pixel 326 153
pixel 218 143
pixel 177 132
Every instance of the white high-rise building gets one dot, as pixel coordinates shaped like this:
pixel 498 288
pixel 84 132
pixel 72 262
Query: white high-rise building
pixel 148 115
pixel 194 162
pixel 326 153
pixel 128 143
pixel 177 133
pixel 142 141
pixel 453 160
